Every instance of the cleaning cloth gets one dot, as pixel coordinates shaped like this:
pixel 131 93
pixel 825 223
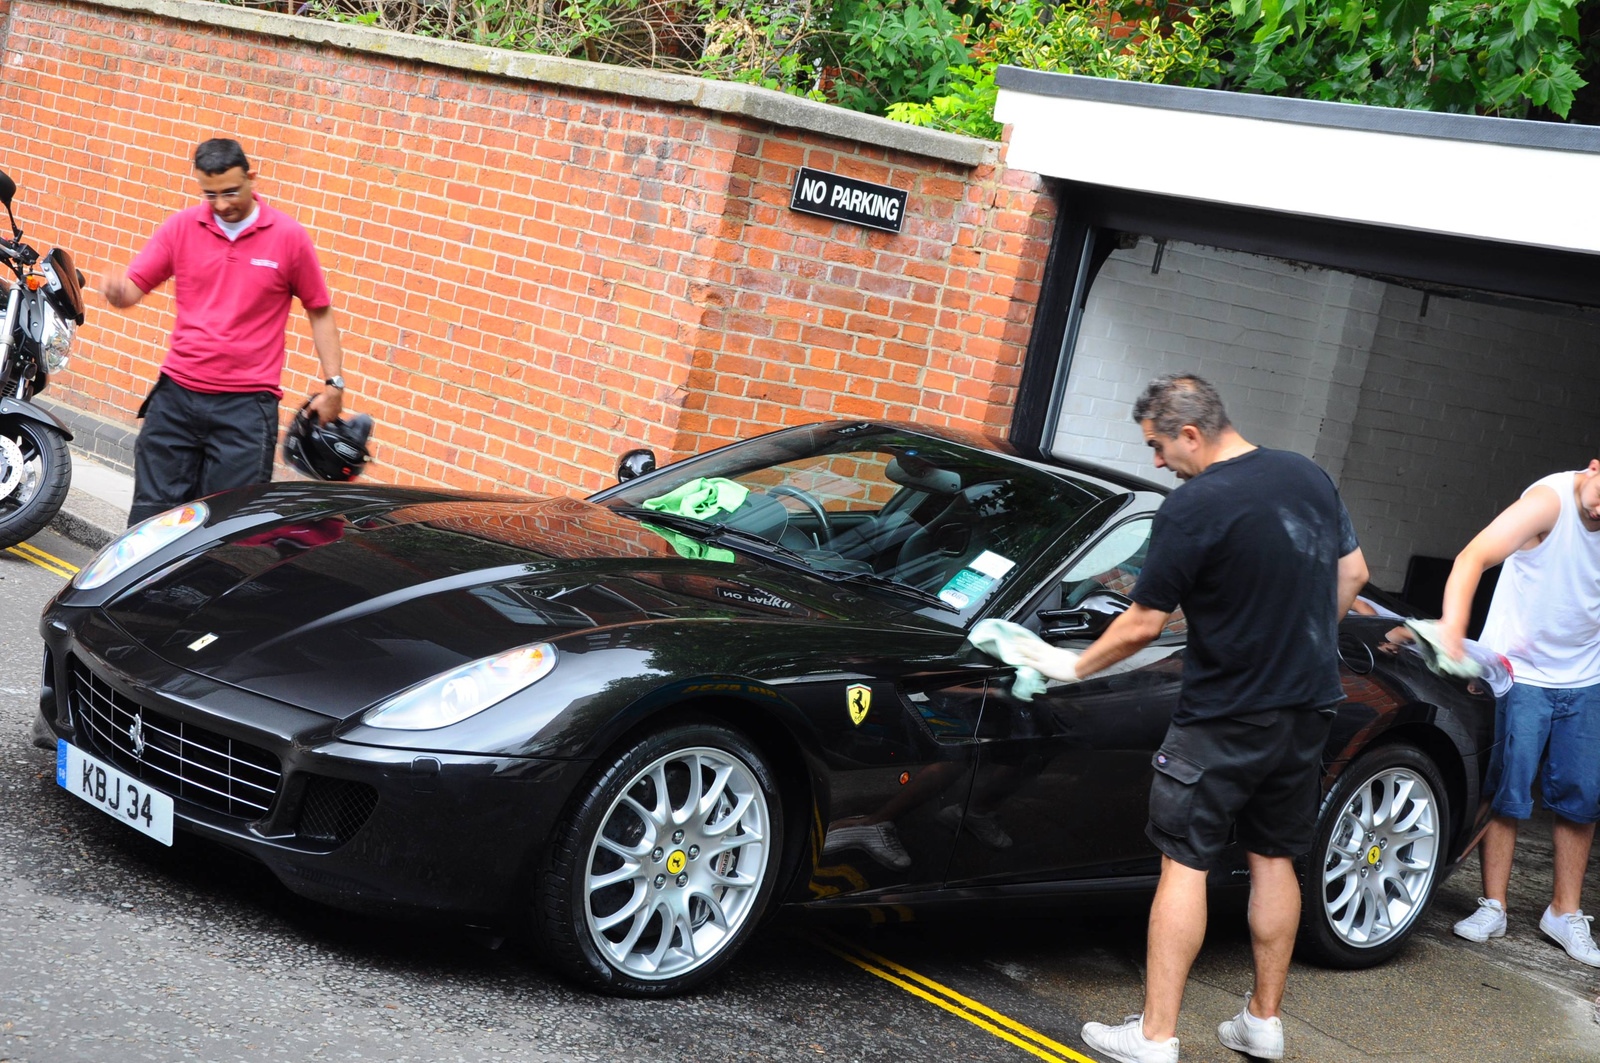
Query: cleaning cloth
pixel 702 498
pixel 999 638
pixel 1480 663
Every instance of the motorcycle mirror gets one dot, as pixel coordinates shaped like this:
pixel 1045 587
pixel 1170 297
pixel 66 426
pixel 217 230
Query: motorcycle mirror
pixel 635 463
pixel 8 189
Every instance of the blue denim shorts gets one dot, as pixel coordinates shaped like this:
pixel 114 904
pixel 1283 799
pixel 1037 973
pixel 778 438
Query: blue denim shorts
pixel 1530 721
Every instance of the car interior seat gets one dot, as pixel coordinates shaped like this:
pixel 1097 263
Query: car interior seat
pixel 939 548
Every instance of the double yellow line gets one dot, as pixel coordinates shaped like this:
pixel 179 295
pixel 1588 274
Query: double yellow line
pixel 48 562
pixel 981 1016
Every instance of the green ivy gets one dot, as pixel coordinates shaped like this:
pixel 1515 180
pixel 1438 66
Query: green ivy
pixel 1073 37
pixel 1502 58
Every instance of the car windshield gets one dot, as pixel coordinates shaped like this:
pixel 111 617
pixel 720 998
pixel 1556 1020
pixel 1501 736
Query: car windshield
pixel 870 502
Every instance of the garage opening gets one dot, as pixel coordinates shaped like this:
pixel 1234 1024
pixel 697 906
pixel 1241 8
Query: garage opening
pixel 1432 406
pixel 1354 279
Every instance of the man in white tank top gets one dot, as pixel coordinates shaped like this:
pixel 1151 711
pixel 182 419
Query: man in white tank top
pixel 1545 619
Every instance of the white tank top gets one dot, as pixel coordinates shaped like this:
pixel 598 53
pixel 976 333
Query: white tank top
pixel 1545 615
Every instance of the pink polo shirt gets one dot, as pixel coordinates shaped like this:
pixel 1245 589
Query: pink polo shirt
pixel 233 296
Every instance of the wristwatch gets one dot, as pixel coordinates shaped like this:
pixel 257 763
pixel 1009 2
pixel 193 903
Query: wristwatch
pixel 335 382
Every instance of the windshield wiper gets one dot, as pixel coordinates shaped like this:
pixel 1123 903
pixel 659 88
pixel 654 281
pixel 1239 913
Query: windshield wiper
pixel 720 534
pixel 872 579
pixel 697 529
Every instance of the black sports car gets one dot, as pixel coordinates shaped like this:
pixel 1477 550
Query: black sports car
pixel 635 723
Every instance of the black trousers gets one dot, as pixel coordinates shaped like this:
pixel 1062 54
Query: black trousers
pixel 195 444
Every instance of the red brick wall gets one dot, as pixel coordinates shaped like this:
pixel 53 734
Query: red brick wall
pixel 529 278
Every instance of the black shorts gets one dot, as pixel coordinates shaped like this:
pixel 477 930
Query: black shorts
pixel 1261 772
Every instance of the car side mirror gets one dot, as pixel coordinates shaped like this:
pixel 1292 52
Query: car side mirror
pixel 1086 620
pixel 635 463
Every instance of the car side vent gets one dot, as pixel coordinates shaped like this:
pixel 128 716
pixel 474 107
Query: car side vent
pixel 334 809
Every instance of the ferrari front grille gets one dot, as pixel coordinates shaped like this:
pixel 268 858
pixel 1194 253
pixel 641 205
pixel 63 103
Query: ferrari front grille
pixel 181 759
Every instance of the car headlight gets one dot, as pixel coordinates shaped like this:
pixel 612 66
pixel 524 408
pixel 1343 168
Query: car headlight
pixel 55 339
pixel 466 691
pixel 138 543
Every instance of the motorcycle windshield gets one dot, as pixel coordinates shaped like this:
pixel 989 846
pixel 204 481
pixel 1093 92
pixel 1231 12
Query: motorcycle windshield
pixel 68 296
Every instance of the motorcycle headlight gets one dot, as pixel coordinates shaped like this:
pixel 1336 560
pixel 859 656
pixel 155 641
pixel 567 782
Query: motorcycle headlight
pixel 55 339
pixel 466 691
pixel 138 543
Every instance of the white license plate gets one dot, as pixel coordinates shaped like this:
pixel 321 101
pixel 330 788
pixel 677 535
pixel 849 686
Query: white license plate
pixel 116 794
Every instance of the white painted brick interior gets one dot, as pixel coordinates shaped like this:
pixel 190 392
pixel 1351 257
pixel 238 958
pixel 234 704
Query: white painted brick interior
pixel 1431 423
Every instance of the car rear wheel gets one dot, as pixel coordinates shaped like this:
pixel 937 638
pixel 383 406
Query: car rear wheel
pixel 664 864
pixel 1380 842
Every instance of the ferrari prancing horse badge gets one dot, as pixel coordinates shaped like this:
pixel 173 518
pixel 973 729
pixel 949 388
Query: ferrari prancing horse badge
pixel 858 697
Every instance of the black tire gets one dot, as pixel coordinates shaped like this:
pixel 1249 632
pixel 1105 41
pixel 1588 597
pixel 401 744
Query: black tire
pixel 1388 867
pixel 23 517
pixel 562 896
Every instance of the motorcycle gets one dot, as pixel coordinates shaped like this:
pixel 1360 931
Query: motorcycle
pixel 44 307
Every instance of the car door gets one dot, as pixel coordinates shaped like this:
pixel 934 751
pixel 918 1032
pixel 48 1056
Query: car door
pixel 1062 781
pixel 898 748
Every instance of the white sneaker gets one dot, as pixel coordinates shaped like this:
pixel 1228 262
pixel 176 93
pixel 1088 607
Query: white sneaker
pixel 1261 1038
pixel 878 840
pixel 1571 932
pixel 1128 1043
pixel 1489 921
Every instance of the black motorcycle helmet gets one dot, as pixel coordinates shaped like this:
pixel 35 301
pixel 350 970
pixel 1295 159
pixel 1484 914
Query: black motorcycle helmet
pixel 335 451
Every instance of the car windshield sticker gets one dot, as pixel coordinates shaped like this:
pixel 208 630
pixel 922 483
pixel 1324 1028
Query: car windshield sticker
pixel 992 565
pixel 858 698
pixel 964 588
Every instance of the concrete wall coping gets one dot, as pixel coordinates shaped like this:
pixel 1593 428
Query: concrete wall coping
pixel 725 97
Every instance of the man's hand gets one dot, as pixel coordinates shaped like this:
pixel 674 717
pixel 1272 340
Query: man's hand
pixel 119 291
pixel 1051 661
pixel 327 404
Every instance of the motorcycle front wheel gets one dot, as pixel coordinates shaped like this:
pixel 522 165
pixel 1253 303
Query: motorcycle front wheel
pixel 35 473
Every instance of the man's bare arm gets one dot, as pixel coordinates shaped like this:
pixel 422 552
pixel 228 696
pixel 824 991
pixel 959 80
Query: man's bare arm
pixel 329 402
pixel 1127 635
pixel 1352 577
pixel 119 291
pixel 1520 524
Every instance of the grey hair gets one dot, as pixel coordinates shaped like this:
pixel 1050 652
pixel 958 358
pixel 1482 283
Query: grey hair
pixel 1177 399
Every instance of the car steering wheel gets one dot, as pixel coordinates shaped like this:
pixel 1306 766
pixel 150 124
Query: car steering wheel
pixel 824 532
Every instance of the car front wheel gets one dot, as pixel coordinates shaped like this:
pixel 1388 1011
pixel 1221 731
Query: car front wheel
pixel 664 864
pixel 1380 842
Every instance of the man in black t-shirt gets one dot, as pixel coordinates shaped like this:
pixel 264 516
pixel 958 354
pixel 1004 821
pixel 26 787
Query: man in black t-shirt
pixel 1258 551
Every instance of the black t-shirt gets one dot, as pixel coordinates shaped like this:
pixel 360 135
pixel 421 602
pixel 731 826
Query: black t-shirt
pixel 1250 549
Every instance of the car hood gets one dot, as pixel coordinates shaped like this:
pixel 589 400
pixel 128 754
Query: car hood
pixel 336 612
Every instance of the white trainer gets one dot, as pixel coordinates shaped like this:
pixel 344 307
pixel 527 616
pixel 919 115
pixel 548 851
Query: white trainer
pixel 1128 1044
pixel 878 840
pixel 1572 932
pixel 1489 921
pixel 1261 1038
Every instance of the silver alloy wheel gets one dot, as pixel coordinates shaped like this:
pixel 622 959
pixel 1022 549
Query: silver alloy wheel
pixel 678 864
pixel 1381 858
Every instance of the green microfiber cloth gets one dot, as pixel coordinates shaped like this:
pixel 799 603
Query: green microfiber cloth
pixel 701 498
pixel 1431 646
pixel 997 638
pixel 693 549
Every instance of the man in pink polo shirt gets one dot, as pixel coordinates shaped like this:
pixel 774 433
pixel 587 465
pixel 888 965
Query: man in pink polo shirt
pixel 211 421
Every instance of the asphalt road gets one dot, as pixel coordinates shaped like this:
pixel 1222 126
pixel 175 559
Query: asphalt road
pixel 113 948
